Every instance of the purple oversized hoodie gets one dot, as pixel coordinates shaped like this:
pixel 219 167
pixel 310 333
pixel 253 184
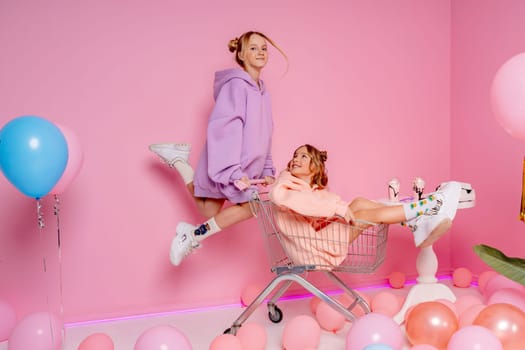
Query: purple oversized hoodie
pixel 239 137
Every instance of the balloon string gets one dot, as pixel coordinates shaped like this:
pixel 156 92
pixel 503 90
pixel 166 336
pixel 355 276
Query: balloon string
pixel 61 298
pixel 41 230
pixel 44 264
pixel 57 214
pixel 39 215
pixel 47 277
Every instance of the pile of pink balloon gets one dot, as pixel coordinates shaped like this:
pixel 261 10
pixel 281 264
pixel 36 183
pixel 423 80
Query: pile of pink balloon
pixel 494 319
pixel 494 327
pixel 39 157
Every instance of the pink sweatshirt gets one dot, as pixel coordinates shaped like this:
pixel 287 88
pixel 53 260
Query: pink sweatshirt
pixel 293 193
pixel 305 239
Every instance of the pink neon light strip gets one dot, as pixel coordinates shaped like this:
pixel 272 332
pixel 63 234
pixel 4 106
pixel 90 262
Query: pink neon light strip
pixel 226 306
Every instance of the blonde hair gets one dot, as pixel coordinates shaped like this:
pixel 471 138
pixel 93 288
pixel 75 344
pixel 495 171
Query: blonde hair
pixel 317 166
pixel 236 45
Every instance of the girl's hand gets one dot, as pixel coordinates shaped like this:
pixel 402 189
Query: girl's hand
pixel 246 181
pixel 269 180
pixel 349 216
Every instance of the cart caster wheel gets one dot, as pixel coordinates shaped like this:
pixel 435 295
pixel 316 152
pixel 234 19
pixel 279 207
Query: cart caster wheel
pixel 276 316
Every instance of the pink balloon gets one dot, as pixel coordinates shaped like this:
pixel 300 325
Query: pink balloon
pixel 423 347
pixel 162 338
pixel 7 320
pixel 508 296
pixel 97 341
pixel 252 336
pixel 474 338
pixel 431 323
pixel 225 342
pixel 397 280
pixel 38 331
pixel 250 292
pixel 468 316
pixel 314 304
pixel 301 332
pixel 407 313
pixel 507 322
pixel 374 328
pixel 347 300
pixel 484 277
pixel 329 319
pixel 508 96
pixel 450 305
pixel 386 303
pixel 462 277
pixel 74 161
pixel 463 302
pixel 500 282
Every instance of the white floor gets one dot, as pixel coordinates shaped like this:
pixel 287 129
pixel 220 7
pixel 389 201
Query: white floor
pixel 202 326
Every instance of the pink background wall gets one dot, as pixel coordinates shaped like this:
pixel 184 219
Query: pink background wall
pixel 485 34
pixel 388 88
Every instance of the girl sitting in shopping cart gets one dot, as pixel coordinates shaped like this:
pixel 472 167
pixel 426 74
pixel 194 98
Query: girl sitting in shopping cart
pixel 302 188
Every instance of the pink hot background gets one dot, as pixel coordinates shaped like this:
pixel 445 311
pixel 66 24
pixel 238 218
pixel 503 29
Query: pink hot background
pixel 388 88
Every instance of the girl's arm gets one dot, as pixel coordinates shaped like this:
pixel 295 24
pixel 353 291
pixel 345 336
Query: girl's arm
pixel 295 194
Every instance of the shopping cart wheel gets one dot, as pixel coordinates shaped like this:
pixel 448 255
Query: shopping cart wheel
pixel 275 314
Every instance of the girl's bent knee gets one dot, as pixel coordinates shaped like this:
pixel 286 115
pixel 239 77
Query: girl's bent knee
pixel 209 212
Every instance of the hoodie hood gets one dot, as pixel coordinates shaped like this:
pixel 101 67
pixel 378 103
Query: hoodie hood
pixel 224 76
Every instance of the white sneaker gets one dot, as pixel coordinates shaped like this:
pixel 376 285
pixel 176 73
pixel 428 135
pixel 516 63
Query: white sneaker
pixel 428 229
pixel 171 152
pixel 183 243
pixel 451 192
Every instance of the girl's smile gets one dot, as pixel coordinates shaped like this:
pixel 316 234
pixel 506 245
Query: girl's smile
pixel 300 164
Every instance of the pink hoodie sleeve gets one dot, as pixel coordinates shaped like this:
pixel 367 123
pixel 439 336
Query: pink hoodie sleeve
pixel 294 193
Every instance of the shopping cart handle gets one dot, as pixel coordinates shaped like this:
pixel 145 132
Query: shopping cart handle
pixel 241 185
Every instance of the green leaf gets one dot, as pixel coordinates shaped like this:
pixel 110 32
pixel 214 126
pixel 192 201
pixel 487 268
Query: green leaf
pixel 513 268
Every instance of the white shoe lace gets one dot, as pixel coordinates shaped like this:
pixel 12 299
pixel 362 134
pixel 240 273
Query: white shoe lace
pixel 435 209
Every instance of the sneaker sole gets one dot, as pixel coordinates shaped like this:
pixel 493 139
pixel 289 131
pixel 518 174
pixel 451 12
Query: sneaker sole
pixel 451 207
pixel 436 233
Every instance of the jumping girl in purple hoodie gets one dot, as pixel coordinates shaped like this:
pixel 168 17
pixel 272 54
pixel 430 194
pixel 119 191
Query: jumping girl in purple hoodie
pixel 238 146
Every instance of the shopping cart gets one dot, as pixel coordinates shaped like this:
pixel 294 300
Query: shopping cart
pixel 298 244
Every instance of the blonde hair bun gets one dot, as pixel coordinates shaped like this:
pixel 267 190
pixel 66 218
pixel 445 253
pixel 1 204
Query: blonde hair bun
pixel 233 45
pixel 324 155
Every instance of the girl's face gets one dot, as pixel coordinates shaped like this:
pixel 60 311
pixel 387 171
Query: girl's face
pixel 300 164
pixel 255 54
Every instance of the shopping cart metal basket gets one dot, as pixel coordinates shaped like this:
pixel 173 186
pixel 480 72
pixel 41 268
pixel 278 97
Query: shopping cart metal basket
pixel 298 244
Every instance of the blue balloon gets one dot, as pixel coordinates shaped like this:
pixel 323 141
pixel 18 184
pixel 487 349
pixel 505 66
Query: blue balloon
pixel 33 154
pixel 377 346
